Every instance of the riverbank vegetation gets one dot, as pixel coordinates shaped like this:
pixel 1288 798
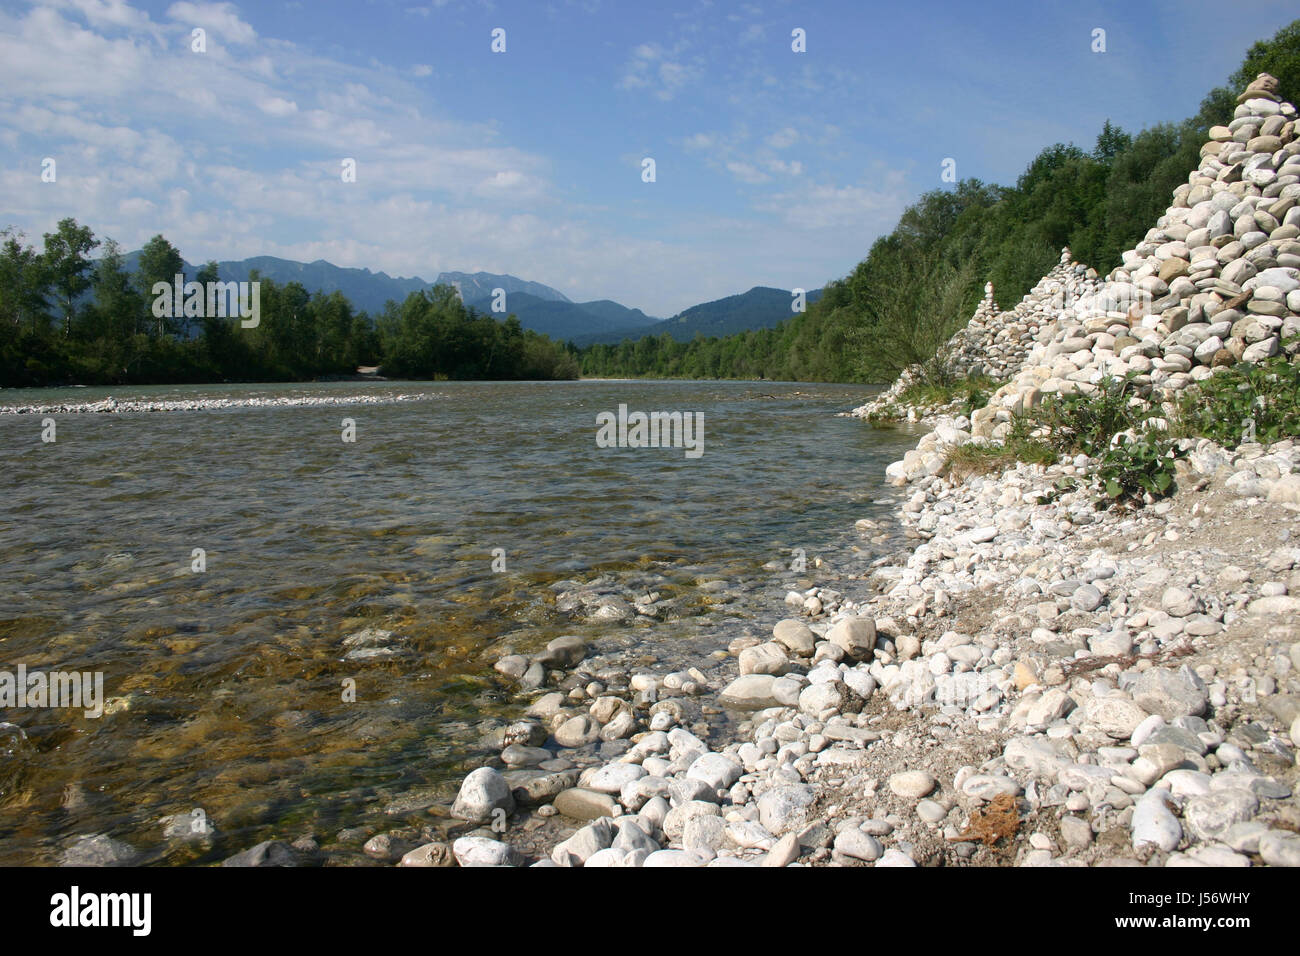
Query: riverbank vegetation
pixel 1134 448
pixel 68 318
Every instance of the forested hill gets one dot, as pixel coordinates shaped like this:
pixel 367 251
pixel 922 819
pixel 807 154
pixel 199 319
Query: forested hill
pixel 921 282
pixel 569 320
pixel 759 308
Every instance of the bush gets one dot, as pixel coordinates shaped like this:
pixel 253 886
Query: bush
pixel 1086 423
pixel 978 396
pixel 977 459
pixel 1134 468
pixel 1259 402
pixel 1134 460
pixel 918 303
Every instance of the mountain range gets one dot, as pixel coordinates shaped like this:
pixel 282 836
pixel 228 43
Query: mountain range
pixel 538 307
pixel 761 307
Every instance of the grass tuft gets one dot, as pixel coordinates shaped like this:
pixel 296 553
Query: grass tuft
pixel 973 393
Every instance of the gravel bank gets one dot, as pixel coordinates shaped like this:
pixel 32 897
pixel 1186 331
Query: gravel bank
pixel 113 406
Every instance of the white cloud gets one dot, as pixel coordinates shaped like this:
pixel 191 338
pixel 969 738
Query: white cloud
pixel 115 13
pixel 791 168
pixel 428 9
pixel 660 71
pixel 747 173
pixel 45 55
pixel 219 18
pixel 277 106
pixel 746 161
pixel 816 206
pixel 700 141
pixel 783 138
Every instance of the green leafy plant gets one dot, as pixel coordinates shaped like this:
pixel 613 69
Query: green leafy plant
pixel 978 391
pixel 1248 402
pixel 1086 423
pixel 1128 468
pixel 1060 487
pixel 1133 468
pixel 1029 443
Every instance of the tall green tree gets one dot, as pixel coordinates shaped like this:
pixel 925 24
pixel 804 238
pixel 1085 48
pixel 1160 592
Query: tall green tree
pixel 22 284
pixel 1111 141
pixel 160 261
pixel 67 265
pixel 116 300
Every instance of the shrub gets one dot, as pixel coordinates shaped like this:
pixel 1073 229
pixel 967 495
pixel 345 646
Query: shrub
pixel 971 459
pixel 982 459
pixel 1259 402
pixel 1134 460
pixel 917 303
pixel 1086 423
pixel 1133 468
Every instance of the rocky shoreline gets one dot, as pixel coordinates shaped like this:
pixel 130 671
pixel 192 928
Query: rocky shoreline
pixel 1039 682
pixel 1034 685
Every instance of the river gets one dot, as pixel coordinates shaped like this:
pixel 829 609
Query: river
pixel 210 563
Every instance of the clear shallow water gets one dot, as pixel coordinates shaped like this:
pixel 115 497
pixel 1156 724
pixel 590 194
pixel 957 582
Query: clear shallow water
pixel 227 684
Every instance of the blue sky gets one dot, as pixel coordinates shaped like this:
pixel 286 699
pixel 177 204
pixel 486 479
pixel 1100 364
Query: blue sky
pixel 772 167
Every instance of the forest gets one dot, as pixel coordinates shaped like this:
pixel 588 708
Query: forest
pixel 67 318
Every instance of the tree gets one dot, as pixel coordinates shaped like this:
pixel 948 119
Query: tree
pixel 1111 141
pixel 160 261
pixel 66 264
pixel 22 284
pixel 912 317
pixel 116 303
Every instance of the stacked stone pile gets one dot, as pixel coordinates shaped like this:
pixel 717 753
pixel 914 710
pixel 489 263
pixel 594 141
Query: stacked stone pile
pixel 996 344
pixel 1215 282
pixel 973 347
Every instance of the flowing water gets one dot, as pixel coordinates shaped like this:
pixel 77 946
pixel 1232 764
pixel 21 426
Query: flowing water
pixel 453 522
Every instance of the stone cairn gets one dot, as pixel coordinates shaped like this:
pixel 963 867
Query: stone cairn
pixel 1215 282
pixel 996 344
pixel 966 348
